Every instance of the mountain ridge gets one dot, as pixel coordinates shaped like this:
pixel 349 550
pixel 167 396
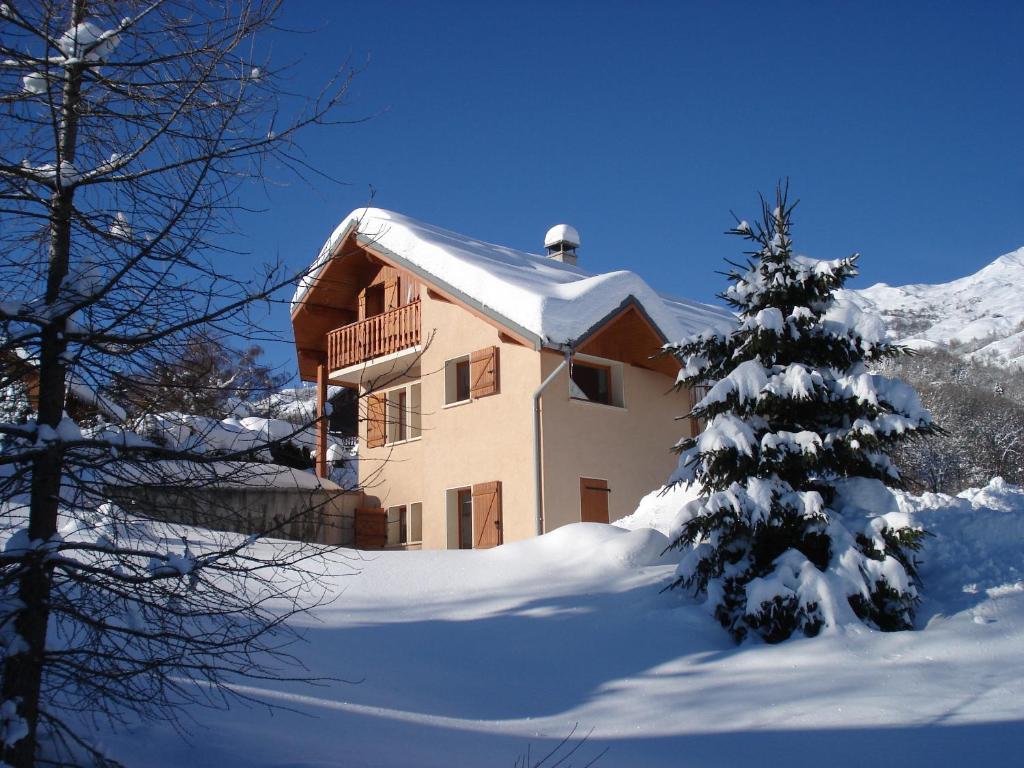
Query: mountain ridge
pixel 980 316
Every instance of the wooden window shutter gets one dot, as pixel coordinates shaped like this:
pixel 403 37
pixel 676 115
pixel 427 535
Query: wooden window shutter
pixel 484 372
pixel 487 522
pixel 391 296
pixel 376 426
pixel 362 304
pixel 594 500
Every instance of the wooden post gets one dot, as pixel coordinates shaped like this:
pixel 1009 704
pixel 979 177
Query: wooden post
pixel 322 419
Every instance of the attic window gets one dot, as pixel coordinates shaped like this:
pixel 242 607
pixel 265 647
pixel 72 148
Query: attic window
pixel 596 383
pixel 591 382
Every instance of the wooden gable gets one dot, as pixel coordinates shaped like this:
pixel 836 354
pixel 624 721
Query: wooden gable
pixel 338 296
pixel 630 337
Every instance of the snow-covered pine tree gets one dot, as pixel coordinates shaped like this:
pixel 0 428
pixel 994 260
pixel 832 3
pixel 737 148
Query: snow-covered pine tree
pixel 794 530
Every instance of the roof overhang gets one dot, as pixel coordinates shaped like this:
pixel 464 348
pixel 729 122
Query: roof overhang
pixel 450 293
pixel 628 333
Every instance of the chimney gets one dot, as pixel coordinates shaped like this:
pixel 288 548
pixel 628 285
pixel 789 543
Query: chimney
pixel 562 242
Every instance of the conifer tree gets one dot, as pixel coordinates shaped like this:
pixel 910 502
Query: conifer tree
pixel 794 528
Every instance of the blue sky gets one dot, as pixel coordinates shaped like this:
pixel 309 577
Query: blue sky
pixel 643 124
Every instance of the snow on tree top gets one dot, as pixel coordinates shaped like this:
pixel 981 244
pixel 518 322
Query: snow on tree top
pixel 552 301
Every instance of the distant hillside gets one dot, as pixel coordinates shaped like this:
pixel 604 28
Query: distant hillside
pixel 980 316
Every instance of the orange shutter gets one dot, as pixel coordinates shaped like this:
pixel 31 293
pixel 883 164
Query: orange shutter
pixel 391 293
pixel 593 500
pixel 487 515
pixel 375 424
pixel 362 304
pixel 484 372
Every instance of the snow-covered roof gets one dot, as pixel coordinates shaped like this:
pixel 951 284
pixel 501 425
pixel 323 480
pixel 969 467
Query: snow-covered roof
pixel 547 301
pixel 89 395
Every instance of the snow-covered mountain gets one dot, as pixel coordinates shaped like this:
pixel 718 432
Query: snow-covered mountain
pixel 979 316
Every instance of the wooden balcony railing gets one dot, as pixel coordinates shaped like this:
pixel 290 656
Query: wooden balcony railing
pixel 379 335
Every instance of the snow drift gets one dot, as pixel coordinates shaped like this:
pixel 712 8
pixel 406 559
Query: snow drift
pixel 475 657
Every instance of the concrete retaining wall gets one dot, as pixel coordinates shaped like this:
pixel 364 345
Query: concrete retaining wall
pixel 315 515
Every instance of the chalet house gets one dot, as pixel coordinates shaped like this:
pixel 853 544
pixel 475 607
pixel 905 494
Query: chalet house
pixel 502 394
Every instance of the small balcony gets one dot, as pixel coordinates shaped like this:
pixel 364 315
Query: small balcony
pixel 385 334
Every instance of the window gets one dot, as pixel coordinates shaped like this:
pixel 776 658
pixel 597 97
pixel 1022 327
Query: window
pixel 474 519
pixel 459 502
pixel 456 380
pixel 403 414
pixel 462 380
pixel 471 376
pixel 405 524
pixel 396 525
pixel 456 507
pixel 594 380
pixel 591 382
pixel 465 511
pixel 402 420
pixel 415 526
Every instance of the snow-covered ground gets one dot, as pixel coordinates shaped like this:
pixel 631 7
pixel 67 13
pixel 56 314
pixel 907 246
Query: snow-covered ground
pixel 478 658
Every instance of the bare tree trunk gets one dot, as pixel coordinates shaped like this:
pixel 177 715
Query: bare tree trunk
pixel 117 171
pixel 23 671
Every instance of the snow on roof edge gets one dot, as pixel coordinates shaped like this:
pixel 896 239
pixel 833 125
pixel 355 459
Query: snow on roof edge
pixel 546 302
pixel 308 280
pixel 365 240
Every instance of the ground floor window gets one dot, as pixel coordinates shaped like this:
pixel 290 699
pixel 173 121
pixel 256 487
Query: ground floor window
pixel 405 524
pixel 474 518
pixel 465 508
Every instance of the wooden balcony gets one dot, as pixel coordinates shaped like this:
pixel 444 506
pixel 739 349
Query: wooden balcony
pixel 380 335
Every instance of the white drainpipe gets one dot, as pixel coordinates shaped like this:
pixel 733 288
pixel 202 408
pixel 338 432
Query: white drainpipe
pixel 538 476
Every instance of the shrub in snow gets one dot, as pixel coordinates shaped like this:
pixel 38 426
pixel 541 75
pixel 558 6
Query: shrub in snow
pixel 795 530
pixel 981 405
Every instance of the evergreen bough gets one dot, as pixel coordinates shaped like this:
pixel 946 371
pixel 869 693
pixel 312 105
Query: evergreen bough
pixel 794 529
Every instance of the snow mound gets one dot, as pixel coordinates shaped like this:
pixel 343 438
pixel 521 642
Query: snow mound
pixel 498 652
pixel 660 509
pixel 975 548
pixel 973 552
